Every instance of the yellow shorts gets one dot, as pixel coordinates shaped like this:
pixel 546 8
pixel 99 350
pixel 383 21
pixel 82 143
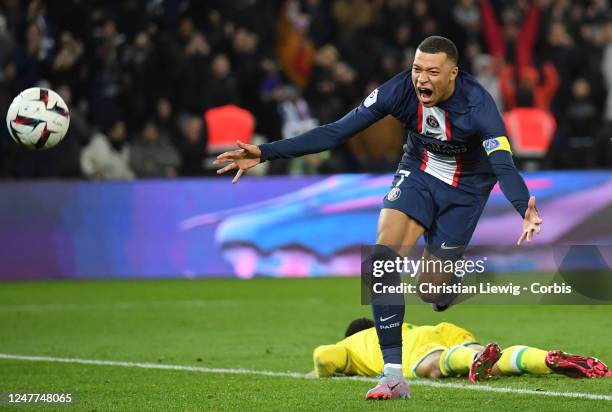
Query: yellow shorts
pixel 425 340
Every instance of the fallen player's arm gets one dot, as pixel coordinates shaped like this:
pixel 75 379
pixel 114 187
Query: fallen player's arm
pixel 329 360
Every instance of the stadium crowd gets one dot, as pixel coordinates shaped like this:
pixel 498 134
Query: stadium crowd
pixel 138 75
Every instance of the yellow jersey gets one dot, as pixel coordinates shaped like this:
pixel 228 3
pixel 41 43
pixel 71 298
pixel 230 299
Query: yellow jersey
pixel 360 354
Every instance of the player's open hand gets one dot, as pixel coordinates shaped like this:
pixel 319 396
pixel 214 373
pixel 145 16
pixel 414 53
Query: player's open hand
pixel 532 222
pixel 244 158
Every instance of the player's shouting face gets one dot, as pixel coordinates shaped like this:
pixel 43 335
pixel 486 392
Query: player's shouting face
pixel 433 77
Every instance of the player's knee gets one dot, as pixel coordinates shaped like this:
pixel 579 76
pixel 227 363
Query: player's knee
pixel 429 293
pixel 433 288
pixel 429 297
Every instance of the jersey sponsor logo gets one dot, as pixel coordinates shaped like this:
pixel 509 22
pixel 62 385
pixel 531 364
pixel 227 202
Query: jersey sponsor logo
pixel 371 99
pixel 387 318
pixel 432 122
pixel 445 149
pixel 496 143
pixel 394 194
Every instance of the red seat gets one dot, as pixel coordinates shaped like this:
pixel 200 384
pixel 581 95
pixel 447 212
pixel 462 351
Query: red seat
pixel 226 124
pixel 531 131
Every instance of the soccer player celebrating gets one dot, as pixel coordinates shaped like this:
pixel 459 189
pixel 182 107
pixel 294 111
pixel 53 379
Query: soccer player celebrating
pixel 456 149
pixel 446 350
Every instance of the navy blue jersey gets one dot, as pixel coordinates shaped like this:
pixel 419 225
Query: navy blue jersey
pixel 461 141
pixel 445 140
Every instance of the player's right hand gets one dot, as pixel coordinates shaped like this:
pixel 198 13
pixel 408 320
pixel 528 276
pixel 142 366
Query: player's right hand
pixel 244 158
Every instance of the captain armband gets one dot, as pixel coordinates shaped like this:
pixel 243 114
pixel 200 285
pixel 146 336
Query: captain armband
pixel 496 143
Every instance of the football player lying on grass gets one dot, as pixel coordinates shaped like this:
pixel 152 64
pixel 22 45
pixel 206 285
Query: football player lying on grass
pixel 446 350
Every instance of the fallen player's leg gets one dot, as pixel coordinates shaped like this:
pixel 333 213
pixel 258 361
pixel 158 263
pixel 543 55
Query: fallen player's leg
pixel 518 359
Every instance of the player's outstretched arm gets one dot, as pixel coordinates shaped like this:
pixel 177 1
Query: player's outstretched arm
pixel 497 147
pixel 243 158
pixel 531 223
pixel 381 102
pixel 514 188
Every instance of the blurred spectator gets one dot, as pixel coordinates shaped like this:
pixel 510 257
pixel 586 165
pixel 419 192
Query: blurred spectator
pixel 68 65
pixel 604 137
pixel 581 121
pixel 191 144
pixel 606 70
pixel 165 117
pixel 31 59
pixel 139 62
pixel 529 91
pixel 561 52
pixel 485 72
pixel 295 49
pixel 152 154
pixel 107 156
pixel 198 91
pixel 77 137
pixel 321 93
pixel 223 88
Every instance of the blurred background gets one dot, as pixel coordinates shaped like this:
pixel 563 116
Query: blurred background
pixel 157 88
pixel 142 76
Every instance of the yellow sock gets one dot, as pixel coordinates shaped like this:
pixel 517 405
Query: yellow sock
pixel 456 360
pixel 523 359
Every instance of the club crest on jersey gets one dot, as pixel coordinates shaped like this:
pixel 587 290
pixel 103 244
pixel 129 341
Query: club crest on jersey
pixel 394 194
pixel 371 99
pixel 432 122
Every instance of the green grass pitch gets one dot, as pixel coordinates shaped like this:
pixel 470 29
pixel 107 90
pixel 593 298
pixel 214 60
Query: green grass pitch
pixel 261 324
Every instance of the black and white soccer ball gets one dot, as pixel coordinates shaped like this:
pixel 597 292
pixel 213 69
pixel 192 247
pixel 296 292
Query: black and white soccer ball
pixel 38 118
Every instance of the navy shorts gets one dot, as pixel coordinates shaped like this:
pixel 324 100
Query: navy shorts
pixel 448 214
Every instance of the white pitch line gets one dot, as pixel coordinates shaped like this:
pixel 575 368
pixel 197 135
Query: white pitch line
pixel 297 375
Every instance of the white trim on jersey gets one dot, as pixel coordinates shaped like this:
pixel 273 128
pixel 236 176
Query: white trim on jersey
pixel 434 122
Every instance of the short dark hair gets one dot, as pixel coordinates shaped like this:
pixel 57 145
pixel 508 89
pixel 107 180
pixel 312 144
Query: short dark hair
pixel 357 325
pixel 439 44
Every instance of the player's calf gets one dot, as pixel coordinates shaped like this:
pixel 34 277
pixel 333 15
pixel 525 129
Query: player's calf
pixel 387 308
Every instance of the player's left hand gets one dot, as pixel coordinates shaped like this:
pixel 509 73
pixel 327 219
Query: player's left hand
pixel 532 222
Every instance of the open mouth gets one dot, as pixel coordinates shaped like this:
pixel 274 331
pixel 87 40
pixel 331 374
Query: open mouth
pixel 425 93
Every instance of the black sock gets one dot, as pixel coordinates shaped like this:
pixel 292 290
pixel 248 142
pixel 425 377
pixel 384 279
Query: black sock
pixel 388 310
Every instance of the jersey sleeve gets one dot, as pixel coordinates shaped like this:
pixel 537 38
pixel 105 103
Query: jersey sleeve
pixel 489 123
pixel 381 102
pixel 329 360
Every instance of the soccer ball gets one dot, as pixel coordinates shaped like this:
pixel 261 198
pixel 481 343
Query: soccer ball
pixel 38 118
